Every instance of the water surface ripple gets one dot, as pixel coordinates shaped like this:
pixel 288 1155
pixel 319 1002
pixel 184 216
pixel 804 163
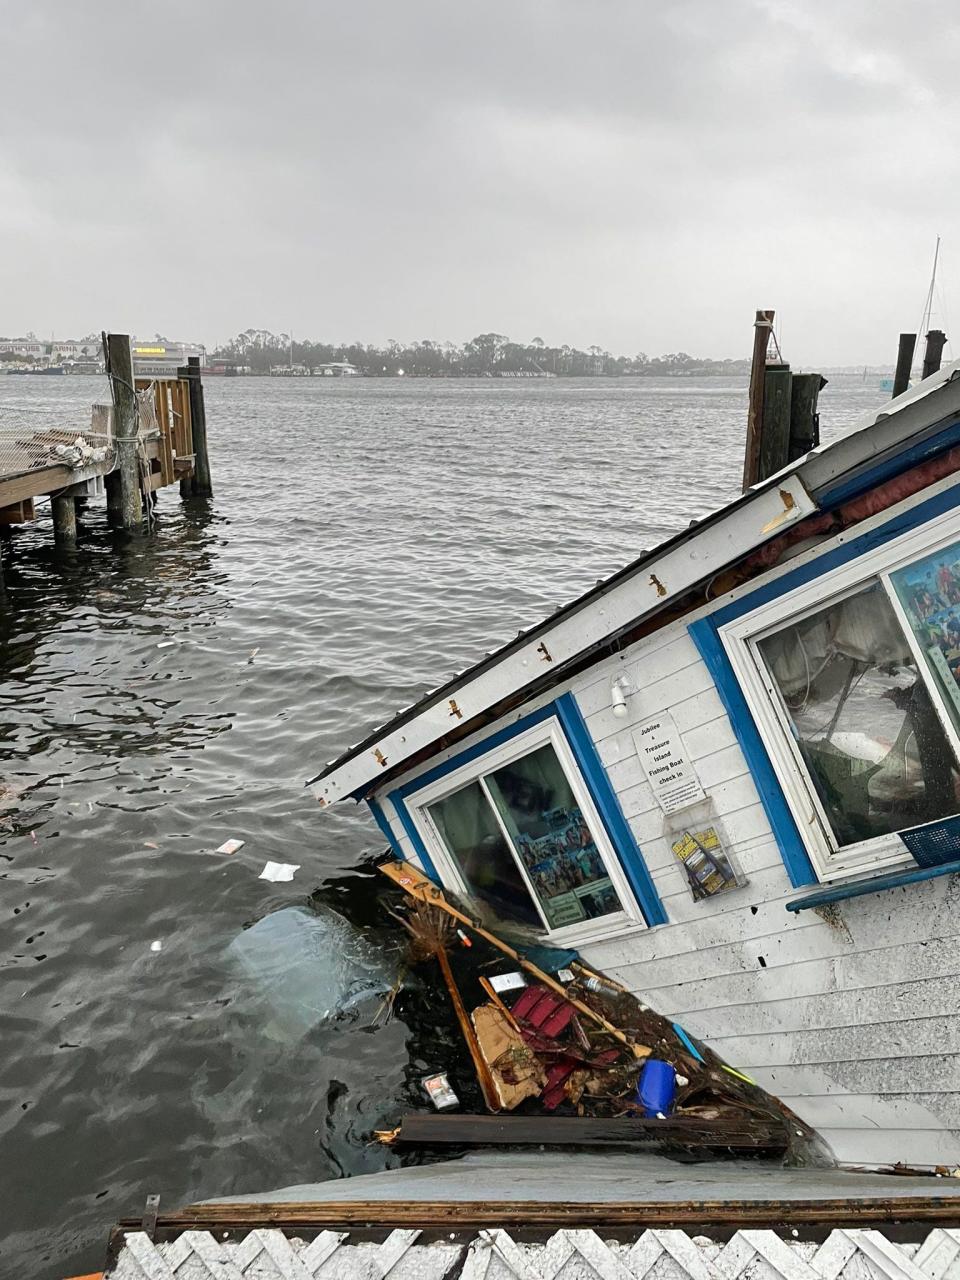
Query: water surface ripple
pixel 367 540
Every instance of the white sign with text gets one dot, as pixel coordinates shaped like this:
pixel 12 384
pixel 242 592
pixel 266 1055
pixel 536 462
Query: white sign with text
pixel 671 775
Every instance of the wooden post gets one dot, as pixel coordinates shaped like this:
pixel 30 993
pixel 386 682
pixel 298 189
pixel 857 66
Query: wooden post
pixel 901 379
pixel 804 418
pixel 200 483
pixel 119 363
pixel 775 434
pixel 763 325
pixel 933 351
pixel 64 517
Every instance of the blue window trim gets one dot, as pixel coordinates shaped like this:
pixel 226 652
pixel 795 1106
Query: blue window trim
pixel 705 635
pixel 566 712
pixel 380 818
pixel 841 892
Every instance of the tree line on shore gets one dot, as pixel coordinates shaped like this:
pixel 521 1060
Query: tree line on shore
pixel 487 355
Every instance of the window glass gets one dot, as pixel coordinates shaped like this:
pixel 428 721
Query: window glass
pixel 550 834
pixel 862 718
pixel 930 594
pixel 469 829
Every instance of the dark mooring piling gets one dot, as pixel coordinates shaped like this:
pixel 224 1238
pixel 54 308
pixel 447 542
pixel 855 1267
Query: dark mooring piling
pixel 783 422
pixel 199 484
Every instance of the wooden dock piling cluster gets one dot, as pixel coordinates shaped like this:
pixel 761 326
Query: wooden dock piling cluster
pixel 783 422
pixel 152 435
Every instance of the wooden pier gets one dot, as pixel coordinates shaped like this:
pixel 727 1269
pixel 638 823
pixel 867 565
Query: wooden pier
pixel 151 435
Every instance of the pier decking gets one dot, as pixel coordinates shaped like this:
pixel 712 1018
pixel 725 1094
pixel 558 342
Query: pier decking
pixel 40 458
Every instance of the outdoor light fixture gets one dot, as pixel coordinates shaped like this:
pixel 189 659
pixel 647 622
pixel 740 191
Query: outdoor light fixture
pixel 621 687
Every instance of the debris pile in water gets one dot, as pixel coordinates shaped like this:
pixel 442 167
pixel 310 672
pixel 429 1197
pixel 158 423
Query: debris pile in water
pixel 548 1036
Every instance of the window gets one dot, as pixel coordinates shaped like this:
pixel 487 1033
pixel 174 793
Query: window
pixel 858 700
pixel 517 830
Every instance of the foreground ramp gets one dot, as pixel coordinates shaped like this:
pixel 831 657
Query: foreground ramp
pixel 495 1216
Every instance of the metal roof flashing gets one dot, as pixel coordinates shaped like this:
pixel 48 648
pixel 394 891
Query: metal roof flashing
pixel 540 656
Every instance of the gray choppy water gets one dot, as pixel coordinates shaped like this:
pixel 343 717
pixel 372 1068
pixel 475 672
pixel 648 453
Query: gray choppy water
pixel 367 539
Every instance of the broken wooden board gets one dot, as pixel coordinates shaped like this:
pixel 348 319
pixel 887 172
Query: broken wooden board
pixel 515 1070
pixel 422 1129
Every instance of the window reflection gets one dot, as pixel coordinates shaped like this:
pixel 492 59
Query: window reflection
pixel 862 718
pixel 524 841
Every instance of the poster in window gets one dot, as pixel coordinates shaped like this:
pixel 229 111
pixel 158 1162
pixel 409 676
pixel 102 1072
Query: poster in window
pixel 930 594
pixel 708 868
pixel 566 869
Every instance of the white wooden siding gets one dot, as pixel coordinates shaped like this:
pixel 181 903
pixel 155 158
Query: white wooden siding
pixel 853 1021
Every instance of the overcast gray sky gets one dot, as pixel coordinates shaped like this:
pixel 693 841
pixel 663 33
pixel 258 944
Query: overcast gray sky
pixel 632 174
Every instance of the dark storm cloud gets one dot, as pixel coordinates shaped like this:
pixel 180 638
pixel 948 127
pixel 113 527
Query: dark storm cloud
pixel 636 175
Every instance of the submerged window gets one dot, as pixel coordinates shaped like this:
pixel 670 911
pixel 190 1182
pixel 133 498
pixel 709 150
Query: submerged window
pixel 867 688
pixel 521 835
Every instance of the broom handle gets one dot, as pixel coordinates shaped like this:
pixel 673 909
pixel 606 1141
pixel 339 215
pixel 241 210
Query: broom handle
pixel 418 886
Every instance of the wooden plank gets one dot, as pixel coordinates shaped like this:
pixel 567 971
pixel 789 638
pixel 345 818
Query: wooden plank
pixel 17 512
pixel 426 1129
pixel 463 1214
pixel 762 328
pixel 804 418
pixel 45 480
pixel 484 1076
pixel 775 439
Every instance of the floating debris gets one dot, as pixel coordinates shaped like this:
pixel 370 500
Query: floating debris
pixel 276 871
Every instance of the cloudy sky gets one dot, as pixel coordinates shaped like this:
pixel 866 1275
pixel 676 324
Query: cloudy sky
pixel 637 175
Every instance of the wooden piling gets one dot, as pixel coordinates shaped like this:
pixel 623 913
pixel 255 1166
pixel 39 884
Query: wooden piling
pixel 199 485
pixel 901 379
pixel 64 517
pixel 763 326
pixel 775 434
pixel 127 502
pixel 933 351
pixel 804 418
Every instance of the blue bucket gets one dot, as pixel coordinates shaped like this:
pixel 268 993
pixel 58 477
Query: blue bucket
pixel 656 1087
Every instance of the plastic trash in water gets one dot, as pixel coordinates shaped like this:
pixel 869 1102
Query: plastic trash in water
pixel 231 846
pixel 439 1091
pixel 156 946
pixel 277 871
pixel 656 1088
pixel 298 968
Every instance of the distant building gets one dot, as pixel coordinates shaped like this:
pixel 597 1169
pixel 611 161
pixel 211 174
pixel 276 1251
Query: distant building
pixel 158 358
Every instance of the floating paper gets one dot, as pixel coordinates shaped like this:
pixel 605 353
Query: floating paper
pixel 231 846
pixel 279 871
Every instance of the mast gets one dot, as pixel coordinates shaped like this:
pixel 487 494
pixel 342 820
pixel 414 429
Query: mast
pixel 928 305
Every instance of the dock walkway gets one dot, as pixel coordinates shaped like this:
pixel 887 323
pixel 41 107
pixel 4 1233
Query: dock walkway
pixel 41 457
pixel 613 1216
